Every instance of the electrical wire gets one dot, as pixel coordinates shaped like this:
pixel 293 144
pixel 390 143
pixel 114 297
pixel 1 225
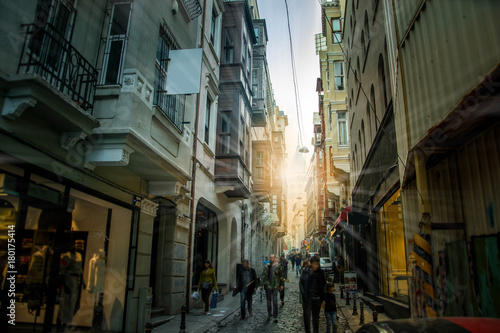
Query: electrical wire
pixel 294 77
pixel 371 107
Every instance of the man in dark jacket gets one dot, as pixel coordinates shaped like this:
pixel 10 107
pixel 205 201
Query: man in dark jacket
pixel 284 265
pixel 246 286
pixel 312 288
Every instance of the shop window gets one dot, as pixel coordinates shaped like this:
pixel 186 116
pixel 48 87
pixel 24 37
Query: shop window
pixel 71 233
pixel 206 240
pixel 393 268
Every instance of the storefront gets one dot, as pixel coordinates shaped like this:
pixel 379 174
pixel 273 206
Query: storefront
pixel 391 249
pixel 206 240
pixel 72 250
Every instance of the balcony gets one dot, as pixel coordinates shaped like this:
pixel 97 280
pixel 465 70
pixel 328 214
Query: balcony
pixel 172 107
pixel 49 55
pixel 259 113
pixel 232 177
pixel 280 231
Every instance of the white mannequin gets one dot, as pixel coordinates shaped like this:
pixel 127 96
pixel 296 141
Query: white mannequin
pixel 97 271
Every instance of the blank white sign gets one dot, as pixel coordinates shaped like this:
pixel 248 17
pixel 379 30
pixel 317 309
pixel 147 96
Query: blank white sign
pixel 184 71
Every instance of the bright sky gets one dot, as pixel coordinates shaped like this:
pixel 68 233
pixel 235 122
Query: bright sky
pixel 305 21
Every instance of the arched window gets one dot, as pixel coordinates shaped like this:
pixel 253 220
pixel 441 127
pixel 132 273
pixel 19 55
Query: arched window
pixel 363 44
pixel 369 121
pixel 358 71
pixel 382 80
pixel 374 106
pixel 356 159
pixel 360 150
pixel 353 163
pixel 363 136
pixel 367 29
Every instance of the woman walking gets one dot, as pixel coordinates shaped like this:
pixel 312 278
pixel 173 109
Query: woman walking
pixel 207 283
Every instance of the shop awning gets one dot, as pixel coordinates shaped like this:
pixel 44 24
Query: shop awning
pixel 342 216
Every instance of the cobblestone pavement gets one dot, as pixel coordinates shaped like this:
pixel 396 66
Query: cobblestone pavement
pixel 290 318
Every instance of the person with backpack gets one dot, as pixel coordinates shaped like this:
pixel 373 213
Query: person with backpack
pixel 246 285
pixel 272 282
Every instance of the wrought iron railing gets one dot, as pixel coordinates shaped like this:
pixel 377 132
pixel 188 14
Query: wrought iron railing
pixel 172 106
pixel 48 54
pixel 193 8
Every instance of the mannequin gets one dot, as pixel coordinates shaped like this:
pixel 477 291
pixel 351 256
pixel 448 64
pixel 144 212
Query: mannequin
pixel 71 270
pixel 97 268
pixel 97 272
pixel 37 277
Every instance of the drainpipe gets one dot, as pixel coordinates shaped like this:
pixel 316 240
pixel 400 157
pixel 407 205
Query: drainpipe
pixel 195 162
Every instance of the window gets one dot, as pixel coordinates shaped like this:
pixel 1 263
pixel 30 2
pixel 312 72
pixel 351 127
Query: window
pixel 260 159
pixel 229 46
pixel 241 136
pixel 342 125
pixel 256 32
pixel 255 84
pixel 382 79
pixel 172 106
pixel 243 50
pixel 336 31
pixel 363 44
pixel 225 132
pixel 52 15
pixel 259 173
pixel 374 106
pixel 213 26
pixel 116 41
pixel 249 62
pixel 338 69
pixel 327 76
pixel 331 161
pixel 207 120
pixel 363 136
pixel 274 206
pixel 367 29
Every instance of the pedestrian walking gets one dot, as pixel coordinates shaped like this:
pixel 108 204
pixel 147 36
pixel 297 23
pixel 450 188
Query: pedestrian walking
pixel 312 287
pixel 207 283
pixel 298 260
pixel 284 265
pixel 246 285
pixel 272 281
pixel 292 259
pixel 330 308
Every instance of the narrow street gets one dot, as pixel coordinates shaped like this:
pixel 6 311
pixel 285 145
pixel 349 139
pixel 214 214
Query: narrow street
pixel 290 318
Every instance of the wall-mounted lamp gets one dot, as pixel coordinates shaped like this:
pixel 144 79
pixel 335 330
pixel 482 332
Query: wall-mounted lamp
pixel 175 7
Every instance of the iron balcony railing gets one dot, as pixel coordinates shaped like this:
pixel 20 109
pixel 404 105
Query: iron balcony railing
pixel 48 54
pixel 172 106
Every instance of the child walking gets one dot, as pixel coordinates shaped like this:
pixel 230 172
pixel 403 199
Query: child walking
pixel 330 308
